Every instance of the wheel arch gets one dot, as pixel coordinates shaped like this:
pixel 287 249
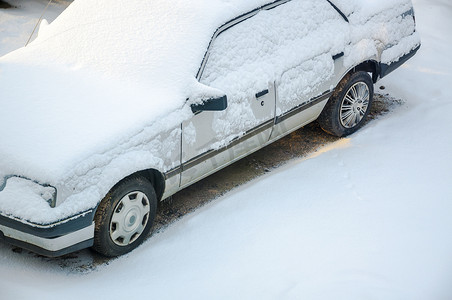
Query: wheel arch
pixel 369 66
pixel 155 177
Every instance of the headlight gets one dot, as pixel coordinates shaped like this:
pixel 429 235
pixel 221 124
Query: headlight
pixel 28 188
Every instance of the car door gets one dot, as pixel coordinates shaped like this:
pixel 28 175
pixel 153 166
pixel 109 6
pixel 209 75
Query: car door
pixel 210 140
pixel 315 37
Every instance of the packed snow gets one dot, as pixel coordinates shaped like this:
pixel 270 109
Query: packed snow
pixel 367 217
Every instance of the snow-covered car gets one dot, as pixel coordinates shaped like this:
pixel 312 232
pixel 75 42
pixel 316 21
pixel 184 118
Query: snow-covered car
pixel 118 105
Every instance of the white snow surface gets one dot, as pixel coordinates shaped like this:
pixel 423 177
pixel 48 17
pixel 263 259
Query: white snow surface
pixel 367 217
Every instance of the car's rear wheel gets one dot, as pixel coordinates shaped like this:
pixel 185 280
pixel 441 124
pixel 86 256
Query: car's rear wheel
pixel 348 107
pixel 124 217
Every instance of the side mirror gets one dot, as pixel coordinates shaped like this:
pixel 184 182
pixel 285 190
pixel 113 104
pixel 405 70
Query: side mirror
pixel 212 104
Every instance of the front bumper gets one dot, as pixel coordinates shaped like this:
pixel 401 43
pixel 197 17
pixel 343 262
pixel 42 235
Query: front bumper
pixel 29 220
pixel 50 240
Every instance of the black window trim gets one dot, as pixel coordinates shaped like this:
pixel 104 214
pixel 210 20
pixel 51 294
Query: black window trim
pixel 339 11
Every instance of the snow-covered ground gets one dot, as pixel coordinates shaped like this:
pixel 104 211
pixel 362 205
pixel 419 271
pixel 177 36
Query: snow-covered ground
pixel 368 217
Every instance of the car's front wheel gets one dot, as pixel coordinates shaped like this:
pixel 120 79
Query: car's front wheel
pixel 349 105
pixel 124 217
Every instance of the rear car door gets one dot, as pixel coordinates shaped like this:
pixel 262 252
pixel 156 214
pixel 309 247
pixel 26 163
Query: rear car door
pixel 315 43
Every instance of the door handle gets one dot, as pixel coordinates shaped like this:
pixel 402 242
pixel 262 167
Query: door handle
pixel 261 94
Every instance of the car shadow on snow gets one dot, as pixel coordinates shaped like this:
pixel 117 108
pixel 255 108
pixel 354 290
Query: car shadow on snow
pixel 298 144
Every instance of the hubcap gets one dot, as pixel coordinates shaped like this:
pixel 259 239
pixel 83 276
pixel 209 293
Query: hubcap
pixel 354 105
pixel 129 218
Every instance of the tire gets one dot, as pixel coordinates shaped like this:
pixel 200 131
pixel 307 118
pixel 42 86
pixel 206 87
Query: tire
pixel 124 217
pixel 348 107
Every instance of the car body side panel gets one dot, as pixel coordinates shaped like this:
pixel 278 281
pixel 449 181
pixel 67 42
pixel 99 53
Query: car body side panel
pixel 205 149
pixel 302 87
pixel 303 116
pixel 214 160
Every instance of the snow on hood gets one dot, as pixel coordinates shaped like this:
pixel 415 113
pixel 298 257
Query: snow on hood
pixel 100 72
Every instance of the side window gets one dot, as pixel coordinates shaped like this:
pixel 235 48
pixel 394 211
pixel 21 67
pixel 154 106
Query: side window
pixel 237 59
pixel 241 58
pixel 246 57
